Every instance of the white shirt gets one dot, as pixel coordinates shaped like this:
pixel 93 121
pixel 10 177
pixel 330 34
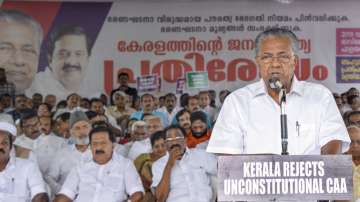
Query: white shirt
pixel 20 181
pixel 65 160
pixel 249 121
pixel 45 150
pixel 139 147
pixel 169 116
pixel 45 83
pixel 111 182
pixel 189 180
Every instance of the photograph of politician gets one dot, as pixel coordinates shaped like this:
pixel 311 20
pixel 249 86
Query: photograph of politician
pixel 20 41
pixel 68 55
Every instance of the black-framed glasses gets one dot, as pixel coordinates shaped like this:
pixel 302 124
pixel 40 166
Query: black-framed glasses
pixel 284 58
pixel 100 124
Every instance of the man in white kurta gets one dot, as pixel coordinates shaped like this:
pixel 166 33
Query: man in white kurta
pixel 20 179
pixel 108 177
pixel 249 121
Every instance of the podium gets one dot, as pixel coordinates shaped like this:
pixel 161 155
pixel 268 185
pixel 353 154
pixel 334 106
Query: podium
pixel 284 178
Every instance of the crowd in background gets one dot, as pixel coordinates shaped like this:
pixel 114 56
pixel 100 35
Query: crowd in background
pixel 151 131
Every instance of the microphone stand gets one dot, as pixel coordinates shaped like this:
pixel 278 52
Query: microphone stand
pixel 283 121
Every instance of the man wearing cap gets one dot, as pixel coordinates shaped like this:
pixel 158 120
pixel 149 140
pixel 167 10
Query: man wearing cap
pixel 20 179
pixel 183 174
pixel 200 134
pixel 109 177
pixel 71 155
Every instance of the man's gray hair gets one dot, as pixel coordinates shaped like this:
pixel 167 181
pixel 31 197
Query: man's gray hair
pixel 15 16
pixel 277 32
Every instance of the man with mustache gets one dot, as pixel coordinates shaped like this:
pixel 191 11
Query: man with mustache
pixel 183 120
pixel 45 146
pixel 20 41
pixel 108 177
pixel 69 50
pixel 20 179
pixel 169 109
pixel 183 174
pixel 148 108
pixel 71 155
pixel 249 121
pixel 20 105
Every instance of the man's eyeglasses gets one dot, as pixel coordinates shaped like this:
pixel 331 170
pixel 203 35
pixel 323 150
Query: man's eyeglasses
pixel 173 139
pixel 357 123
pixel 100 124
pixel 34 125
pixel 270 58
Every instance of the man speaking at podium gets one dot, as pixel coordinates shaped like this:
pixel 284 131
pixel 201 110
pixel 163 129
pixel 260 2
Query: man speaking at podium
pixel 249 121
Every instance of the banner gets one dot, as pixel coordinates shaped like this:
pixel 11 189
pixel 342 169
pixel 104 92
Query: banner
pixel 197 80
pixel 145 38
pixel 285 178
pixel 150 83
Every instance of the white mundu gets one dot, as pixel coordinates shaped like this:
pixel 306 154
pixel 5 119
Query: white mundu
pixel 249 121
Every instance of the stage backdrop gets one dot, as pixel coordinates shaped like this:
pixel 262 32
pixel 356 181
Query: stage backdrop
pixel 172 38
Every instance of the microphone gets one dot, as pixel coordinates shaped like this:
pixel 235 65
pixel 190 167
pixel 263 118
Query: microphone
pixel 275 83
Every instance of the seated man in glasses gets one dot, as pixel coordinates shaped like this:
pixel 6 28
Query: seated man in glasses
pixel 183 174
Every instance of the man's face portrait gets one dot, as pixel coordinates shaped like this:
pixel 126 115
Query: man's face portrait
pixel 175 140
pixel 148 103
pixel 69 60
pixel 101 147
pixel 123 80
pixel 170 102
pixel 31 128
pixel 276 59
pixel 184 121
pixel 19 53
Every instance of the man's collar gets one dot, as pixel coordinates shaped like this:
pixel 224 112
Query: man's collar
pixel 297 87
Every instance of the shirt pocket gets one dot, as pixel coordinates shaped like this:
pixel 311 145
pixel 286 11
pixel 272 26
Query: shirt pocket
pixel 198 177
pixel 306 138
pixel 115 185
pixel 87 184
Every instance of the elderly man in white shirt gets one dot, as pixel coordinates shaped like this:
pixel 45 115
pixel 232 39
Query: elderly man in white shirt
pixel 249 121
pixel 141 142
pixel 20 179
pixel 108 177
pixel 183 174
pixel 70 155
